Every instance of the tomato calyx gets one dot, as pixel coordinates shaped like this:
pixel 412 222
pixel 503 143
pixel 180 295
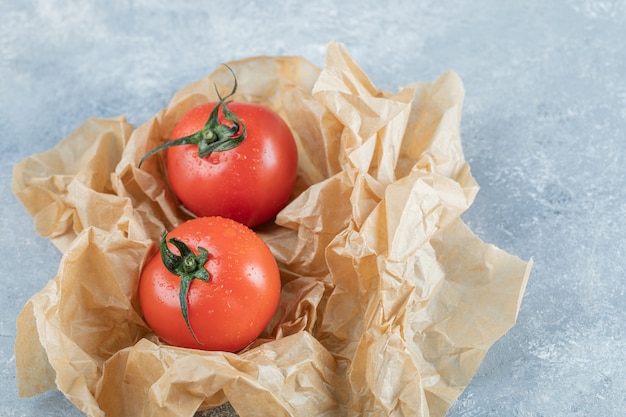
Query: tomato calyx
pixel 188 266
pixel 214 135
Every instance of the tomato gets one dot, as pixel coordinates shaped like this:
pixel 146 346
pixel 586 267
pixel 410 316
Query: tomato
pixel 249 183
pixel 232 159
pixel 214 285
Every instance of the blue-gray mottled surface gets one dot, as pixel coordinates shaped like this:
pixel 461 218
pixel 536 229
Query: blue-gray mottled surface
pixel 544 129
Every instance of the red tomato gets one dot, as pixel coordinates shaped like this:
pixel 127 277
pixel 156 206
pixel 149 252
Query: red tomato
pixel 249 183
pixel 233 306
pixel 231 159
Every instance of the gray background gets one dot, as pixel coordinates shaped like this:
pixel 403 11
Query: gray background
pixel 543 129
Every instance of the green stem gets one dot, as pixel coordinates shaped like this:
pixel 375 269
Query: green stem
pixel 214 135
pixel 188 266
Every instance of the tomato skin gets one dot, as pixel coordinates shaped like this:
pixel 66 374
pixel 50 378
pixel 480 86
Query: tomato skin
pixel 233 308
pixel 250 183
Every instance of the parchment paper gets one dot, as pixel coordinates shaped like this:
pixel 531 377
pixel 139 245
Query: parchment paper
pixel 389 302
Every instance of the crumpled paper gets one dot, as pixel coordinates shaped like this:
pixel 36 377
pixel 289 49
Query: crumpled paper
pixel 389 301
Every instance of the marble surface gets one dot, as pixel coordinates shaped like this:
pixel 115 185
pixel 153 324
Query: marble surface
pixel 544 129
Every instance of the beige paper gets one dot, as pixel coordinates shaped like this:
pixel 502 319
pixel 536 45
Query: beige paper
pixel 389 302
